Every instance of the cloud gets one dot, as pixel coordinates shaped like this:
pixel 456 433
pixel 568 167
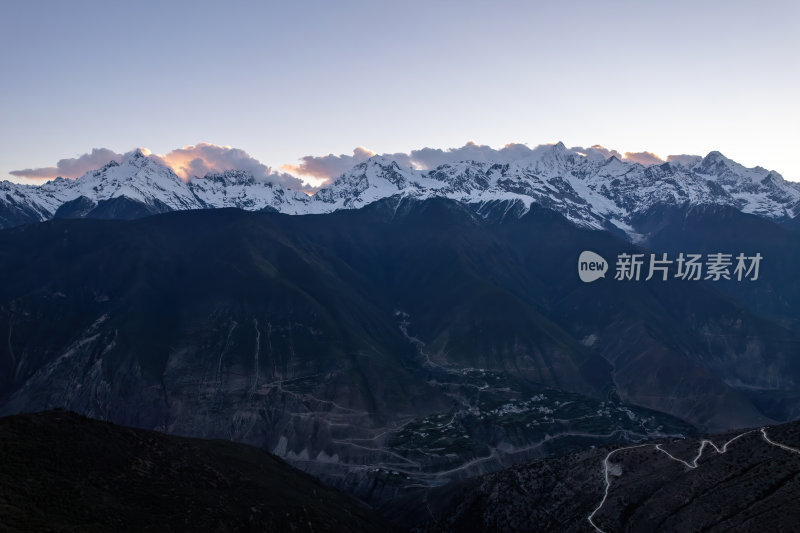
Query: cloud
pixel 323 169
pixel 198 160
pixel 187 162
pixel 684 159
pixel 597 150
pixel 71 168
pixel 643 158
pixel 326 166
pixel 203 158
pixel 427 158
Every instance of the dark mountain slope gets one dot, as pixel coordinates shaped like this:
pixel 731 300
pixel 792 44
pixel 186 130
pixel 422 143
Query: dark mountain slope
pixel 119 208
pixel 63 472
pixel 711 229
pixel 776 295
pixel 752 487
pixel 413 336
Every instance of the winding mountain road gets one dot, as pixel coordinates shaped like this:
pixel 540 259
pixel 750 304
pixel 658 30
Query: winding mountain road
pixel 607 465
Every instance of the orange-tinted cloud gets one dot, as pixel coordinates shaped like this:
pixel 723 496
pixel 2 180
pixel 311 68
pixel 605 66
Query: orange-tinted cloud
pixel 643 158
pixel 326 166
pixel 597 150
pixel 203 158
pixel 187 162
pixel 198 160
pixel 71 168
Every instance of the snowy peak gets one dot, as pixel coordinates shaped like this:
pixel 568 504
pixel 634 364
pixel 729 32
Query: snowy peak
pixel 377 177
pixel 558 151
pixel 239 188
pixel 588 189
pixel 135 166
pixel 139 178
pixel 137 155
pixel 378 168
pixel 466 178
pixel 231 177
pixel 714 164
pixel 715 156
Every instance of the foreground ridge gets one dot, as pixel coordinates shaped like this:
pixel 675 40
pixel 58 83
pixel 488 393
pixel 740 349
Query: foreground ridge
pixel 106 477
pixel 693 464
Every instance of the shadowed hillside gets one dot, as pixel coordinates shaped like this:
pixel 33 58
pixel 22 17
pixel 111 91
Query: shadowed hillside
pixel 62 472
pixel 746 481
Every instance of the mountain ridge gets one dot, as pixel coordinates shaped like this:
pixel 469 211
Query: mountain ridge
pixel 588 189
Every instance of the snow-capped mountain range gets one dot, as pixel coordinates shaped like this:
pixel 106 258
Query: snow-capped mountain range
pixel 586 188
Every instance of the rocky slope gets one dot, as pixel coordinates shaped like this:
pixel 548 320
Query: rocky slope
pixel 747 481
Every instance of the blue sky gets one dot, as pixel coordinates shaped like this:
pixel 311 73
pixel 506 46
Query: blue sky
pixel 286 80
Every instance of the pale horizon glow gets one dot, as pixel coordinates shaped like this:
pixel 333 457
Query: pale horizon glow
pixel 283 82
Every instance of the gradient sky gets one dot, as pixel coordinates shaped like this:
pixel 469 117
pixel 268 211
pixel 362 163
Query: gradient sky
pixel 290 79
